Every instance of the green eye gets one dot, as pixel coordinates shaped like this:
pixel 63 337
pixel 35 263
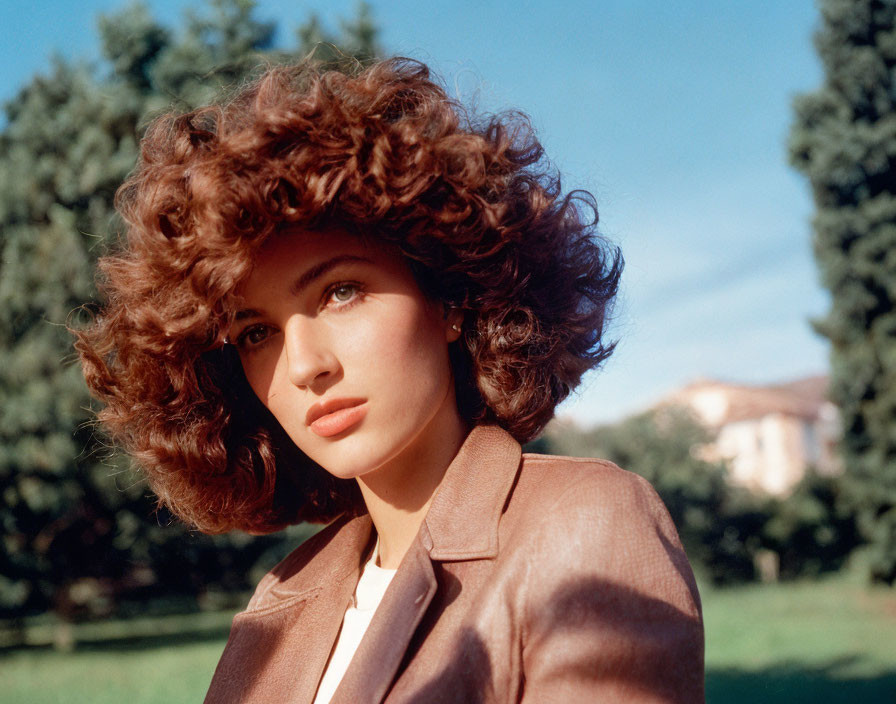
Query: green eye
pixel 344 292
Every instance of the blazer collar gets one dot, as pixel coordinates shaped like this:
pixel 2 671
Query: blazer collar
pixel 302 610
pixel 462 524
pixel 462 521
pixel 378 657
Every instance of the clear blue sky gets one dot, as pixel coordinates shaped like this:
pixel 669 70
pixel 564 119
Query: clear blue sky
pixel 675 115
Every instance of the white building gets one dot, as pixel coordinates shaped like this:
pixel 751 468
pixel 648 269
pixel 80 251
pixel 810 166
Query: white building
pixel 770 435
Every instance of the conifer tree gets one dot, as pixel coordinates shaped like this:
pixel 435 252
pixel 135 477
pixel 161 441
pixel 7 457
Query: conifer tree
pixel 78 527
pixel 844 140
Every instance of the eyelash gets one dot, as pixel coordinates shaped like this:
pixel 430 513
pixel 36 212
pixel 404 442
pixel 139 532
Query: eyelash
pixel 241 341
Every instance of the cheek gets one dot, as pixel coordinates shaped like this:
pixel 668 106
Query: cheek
pixel 415 348
pixel 261 372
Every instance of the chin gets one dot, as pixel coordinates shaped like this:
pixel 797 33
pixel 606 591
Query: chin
pixel 350 457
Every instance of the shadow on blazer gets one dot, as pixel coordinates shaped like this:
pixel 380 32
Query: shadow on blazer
pixel 532 579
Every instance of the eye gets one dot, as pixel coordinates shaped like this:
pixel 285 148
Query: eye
pixel 343 293
pixel 253 336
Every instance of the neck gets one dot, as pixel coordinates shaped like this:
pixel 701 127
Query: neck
pixel 398 494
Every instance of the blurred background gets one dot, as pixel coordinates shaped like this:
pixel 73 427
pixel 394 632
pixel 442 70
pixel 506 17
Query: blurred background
pixel 746 172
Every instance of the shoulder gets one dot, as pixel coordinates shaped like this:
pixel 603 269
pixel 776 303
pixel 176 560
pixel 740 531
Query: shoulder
pixel 577 469
pixel 603 586
pixel 587 517
pixel 584 484
pixel 590 502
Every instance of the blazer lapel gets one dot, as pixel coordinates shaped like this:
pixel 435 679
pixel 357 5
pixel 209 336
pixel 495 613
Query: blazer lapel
pixel 462 524
pixel 309 646
pixel 285 639
pixel 380 653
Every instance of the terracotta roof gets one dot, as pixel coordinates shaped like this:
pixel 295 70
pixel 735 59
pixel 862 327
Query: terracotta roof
pixel 730 403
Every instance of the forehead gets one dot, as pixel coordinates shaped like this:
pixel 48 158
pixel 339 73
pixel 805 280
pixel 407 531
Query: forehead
pixel 289 257
pixel 298 245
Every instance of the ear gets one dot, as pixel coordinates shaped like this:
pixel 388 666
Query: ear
pixel 454 320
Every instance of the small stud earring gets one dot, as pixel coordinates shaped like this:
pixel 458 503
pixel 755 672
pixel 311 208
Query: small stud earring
pixel 455 328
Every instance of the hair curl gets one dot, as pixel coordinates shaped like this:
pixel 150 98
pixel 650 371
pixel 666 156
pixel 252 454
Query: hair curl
pixel 385 152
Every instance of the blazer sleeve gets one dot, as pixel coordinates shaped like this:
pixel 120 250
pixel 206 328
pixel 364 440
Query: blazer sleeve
pixel 612 608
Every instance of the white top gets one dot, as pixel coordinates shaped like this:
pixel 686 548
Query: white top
pixel 367 597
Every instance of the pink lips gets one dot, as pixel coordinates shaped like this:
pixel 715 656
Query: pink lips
pixel 335 416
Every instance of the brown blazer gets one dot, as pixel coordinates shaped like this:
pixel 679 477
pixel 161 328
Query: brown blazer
pixel 549 579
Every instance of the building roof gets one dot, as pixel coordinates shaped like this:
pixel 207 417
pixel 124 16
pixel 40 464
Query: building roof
pixel 718 403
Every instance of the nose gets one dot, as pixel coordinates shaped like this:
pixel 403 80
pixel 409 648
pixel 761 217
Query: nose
pixel 309 356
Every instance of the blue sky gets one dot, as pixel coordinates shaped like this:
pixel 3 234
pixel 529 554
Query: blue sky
pixel 675 115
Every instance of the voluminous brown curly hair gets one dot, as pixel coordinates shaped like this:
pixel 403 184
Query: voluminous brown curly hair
pixel 386 154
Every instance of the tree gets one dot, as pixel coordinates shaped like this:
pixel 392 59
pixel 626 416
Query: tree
pixel 811 531
pixel 844 140
pixel 78 527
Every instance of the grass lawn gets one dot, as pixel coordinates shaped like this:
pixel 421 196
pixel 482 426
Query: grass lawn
pixel 144 661
pixel 828 642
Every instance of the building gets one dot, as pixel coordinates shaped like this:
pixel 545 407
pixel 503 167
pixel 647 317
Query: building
pixel 770 435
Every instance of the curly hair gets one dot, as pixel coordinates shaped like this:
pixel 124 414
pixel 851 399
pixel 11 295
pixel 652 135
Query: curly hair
pixel 478 215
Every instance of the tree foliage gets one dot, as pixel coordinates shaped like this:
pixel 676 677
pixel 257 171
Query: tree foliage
pixel 811 531
pixel 844 140
pixel 78 526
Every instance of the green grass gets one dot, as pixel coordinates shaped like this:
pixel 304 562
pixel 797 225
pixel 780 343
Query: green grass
pixel 140 661
pixel 171 673
pixel 829 642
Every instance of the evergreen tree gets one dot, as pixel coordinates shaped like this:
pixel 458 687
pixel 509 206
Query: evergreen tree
pixel 78 528
pixel 844 140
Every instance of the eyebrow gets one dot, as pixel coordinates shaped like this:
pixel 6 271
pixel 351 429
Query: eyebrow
pixel 309 277
pixel 319 270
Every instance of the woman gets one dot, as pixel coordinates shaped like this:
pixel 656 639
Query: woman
pixel 342 300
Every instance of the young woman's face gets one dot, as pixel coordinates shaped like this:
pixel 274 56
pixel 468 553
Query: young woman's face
pixel 337 340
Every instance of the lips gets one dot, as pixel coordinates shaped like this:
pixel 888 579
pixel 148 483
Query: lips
pixel 334 416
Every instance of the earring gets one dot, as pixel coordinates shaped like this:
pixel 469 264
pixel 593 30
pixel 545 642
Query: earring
pixel 455 328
